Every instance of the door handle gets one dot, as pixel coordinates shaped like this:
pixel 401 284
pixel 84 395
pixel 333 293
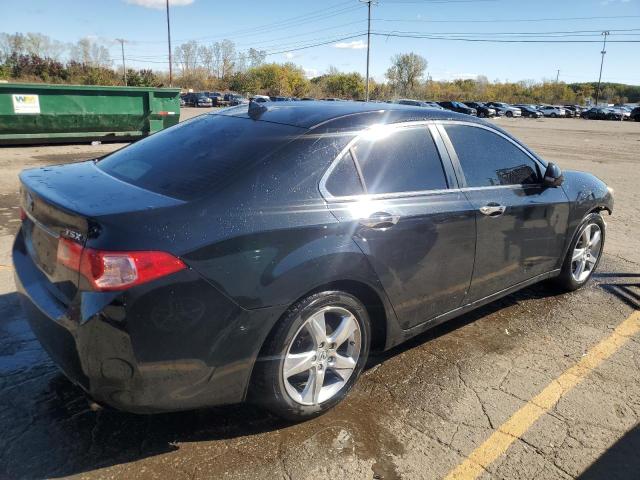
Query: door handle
pixel 493 210
pixel 380 220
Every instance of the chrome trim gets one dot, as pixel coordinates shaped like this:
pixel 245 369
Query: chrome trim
pixel 492 210
pixel 42 226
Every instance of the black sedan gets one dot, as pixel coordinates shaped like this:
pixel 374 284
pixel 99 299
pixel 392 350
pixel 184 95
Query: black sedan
pixel 182 271
pixel 529 111
pixel 483 110
pixel 601 113
pixel 458 107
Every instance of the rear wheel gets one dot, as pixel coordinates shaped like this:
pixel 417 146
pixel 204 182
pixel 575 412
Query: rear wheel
pixel 314 356
pixel 584 253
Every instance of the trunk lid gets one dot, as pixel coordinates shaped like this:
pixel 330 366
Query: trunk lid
pixel 66 201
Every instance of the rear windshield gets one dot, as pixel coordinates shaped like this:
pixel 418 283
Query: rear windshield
pixel 197 156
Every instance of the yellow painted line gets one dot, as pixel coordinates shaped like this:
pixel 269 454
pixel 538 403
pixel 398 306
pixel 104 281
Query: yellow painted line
pixel 511 430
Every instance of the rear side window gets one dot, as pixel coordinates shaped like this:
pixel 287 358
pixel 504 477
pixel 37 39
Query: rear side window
pixel 487 159
pixel 344 180
pixel 197 156
pixel 401 160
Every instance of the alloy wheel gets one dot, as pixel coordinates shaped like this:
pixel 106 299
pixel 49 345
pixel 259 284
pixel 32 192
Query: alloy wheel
pixel 322 356
pixel 586 252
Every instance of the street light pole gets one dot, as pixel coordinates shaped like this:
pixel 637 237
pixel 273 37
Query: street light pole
pixel 604 44
pixel 124 67
pixel 169 43
pixel 368 2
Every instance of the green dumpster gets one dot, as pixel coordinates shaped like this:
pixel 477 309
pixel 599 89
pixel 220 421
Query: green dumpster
pixel 43 113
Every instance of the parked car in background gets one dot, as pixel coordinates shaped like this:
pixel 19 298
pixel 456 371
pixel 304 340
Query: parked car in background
pixel 566 112
pixel 173 280
pixel 458 107
pixel 635 114
pixel 601 113
pixel 483 110
pixel 529 110
pixel 506 109
pixel 433 105
pixel 418 103
pixel 307 99
pixel 551 111
pixel 182 102
pixel 624 112
pixel 216 98
pixel 279 99
pixel 576 110
pixel 235 99
pixel 198 100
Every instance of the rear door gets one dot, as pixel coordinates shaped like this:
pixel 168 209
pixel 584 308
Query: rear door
pixel 407 216
pixel 521 223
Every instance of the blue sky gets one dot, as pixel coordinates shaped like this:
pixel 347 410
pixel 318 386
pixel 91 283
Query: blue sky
pixel 283 25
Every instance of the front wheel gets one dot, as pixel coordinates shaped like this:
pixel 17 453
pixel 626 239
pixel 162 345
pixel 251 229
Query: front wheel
pixel 509 114
pixel 314 356
pixel 584 253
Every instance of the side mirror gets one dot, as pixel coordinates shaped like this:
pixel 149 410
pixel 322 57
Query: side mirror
pixel 553 176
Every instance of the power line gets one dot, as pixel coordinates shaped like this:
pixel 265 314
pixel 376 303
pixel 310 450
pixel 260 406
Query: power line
pixel 487 40
pixel 506 20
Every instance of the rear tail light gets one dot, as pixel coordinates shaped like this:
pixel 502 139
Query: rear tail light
pixel 111 271
pixel 23 214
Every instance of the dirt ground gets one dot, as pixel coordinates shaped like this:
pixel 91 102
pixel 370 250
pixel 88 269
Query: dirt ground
pixel 465 397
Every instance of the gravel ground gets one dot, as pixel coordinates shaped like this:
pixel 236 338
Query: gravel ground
pixel 417 412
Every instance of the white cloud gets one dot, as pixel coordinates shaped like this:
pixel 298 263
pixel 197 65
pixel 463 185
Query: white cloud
pixel 355 45
pixel 160 4
pixel 289 55
pixel 310 72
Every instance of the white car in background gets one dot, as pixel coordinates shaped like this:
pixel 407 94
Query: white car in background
pixel 551 111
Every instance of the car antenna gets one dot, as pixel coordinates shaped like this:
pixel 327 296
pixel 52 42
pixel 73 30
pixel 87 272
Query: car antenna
pixel 256 109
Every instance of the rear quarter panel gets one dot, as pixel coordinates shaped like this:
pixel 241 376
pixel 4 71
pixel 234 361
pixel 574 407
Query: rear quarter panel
pixel 586 193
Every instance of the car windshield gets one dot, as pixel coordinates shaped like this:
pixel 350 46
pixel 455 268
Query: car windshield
pixel 198 156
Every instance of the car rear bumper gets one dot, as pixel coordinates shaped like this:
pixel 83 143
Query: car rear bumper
pixel 172 345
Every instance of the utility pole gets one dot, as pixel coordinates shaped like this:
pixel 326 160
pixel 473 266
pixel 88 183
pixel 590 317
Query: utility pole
pixel 368 2
pixel 557 75
pixel 124 67
pixel 604 45
pixel 169 43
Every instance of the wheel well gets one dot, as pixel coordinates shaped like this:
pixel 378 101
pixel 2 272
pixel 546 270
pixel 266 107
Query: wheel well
pixel 599 209
pixel 372 302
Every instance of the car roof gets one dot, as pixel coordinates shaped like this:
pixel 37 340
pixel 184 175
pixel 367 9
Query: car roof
pixel 341 115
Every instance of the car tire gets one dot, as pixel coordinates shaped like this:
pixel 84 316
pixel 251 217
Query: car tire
pixel 297 336
pixel 569 278
pixel 509 114
pixel 553 115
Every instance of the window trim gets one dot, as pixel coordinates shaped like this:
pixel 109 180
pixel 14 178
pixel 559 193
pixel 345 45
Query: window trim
pixel 430 125
pixel 453 155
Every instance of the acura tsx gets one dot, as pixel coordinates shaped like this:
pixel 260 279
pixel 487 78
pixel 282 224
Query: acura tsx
pixel 262 251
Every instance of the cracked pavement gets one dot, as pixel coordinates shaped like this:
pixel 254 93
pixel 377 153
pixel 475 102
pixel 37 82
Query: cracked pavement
pixel 416 413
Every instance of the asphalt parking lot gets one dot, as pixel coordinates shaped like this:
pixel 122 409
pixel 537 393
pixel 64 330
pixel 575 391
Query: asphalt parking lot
pixel 536 385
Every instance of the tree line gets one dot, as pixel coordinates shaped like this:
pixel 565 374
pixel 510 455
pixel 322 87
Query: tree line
pixel 34 57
